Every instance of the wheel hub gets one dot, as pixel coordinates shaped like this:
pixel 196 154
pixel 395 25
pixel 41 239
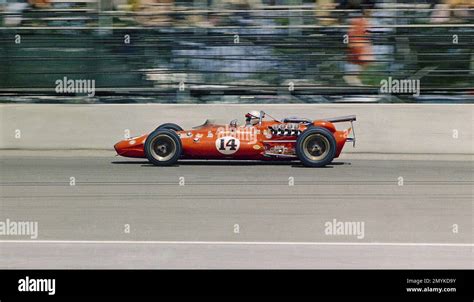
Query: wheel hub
pixel 163 148
pixel 316 147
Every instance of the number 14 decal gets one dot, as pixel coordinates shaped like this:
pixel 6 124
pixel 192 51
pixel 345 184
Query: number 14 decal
pixel 227 144
pixel 230 145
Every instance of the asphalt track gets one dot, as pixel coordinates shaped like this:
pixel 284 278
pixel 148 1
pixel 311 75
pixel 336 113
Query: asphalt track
pixel 424 222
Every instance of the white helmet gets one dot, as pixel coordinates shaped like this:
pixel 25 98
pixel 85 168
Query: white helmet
pixel 253 117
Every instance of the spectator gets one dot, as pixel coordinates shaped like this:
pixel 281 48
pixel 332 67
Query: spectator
pixel 360 52
pixel 443 12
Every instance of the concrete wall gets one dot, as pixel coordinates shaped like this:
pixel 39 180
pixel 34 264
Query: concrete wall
pixel 380 128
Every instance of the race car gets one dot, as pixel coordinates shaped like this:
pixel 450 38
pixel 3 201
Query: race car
pixel 314 142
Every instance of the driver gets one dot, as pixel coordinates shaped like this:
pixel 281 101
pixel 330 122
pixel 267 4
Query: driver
pixel 252 118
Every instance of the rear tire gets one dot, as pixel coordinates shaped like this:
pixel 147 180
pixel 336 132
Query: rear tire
pixel 170 126
pixel 163 147
pixel 316 147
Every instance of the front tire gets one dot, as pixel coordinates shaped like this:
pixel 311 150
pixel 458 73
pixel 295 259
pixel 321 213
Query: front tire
pixel 163 147
pixel 170 126
pixel 316 147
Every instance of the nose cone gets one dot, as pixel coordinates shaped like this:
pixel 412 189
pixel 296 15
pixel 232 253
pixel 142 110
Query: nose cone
pixel 132 147
pixel 120 147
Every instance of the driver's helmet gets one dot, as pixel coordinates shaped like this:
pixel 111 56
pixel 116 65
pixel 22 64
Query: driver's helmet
pixel 253 117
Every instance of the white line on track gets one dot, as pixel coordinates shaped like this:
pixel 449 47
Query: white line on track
pixel 240 243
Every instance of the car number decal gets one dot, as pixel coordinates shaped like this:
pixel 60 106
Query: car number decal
pixel 227 145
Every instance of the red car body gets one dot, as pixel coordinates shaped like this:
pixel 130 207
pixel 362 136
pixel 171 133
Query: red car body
pixel 267 140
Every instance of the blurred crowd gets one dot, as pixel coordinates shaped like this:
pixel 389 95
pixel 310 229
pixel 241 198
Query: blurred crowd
pixel 323 43
pixel 218 12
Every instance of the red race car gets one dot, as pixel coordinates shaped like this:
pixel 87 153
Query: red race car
pixel 314 142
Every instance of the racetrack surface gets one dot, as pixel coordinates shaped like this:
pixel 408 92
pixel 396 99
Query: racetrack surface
pixel 416 213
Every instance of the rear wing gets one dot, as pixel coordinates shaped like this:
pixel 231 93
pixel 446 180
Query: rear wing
pixel 347 118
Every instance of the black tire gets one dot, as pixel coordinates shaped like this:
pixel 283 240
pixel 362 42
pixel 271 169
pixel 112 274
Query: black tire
pixel 170 126
pixel 163 147
pixel 316 147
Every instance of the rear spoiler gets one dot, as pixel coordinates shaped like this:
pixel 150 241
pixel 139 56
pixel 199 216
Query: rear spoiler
pixel 347 118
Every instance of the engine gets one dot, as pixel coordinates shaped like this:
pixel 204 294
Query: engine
pixel 285 129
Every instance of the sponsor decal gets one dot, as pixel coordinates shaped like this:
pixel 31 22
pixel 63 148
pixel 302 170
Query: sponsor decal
pixel 267 134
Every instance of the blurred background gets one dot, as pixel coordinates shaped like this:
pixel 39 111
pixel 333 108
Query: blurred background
pixel 236 51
